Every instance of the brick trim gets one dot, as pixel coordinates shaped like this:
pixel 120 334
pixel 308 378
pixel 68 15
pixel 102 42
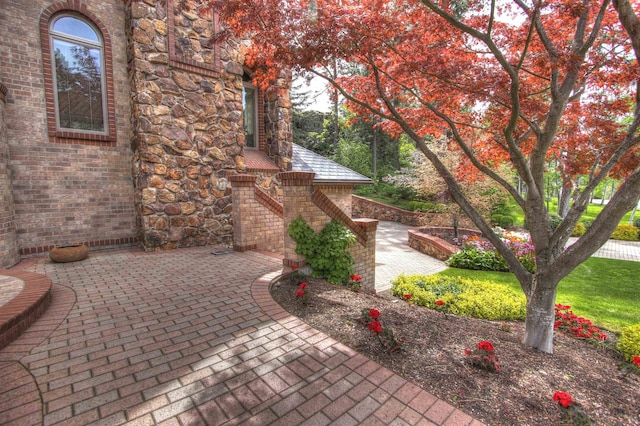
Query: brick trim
pixel 269 202
pixel 334 212
pixel 184 63
pixel 297 178
pixel 3 92
pixel 242 180
pixel 22 311
pixel 71 137
pixel 125 241
pixel 244 248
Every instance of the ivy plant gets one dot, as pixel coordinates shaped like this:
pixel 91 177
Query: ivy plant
pixel 327 251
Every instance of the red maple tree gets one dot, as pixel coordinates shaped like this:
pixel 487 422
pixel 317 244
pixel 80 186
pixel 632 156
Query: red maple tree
pixel 517 82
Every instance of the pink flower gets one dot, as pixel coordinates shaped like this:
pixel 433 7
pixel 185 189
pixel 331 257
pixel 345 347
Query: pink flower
pixel 303 285
pixel 563 399
pixel 485 346
pixel 374 313
pixel 300 293
pixel 375 326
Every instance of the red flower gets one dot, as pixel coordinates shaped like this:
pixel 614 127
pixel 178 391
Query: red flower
pixel 374 313
pixel 485 346
pixel 303 285
pixel 355 277
pixel 406 296
pixel 375 326
pixel 636 360
pixel 439 303
pixel 300 293
pixel 563 399
pixel 294 267
pixel 467 352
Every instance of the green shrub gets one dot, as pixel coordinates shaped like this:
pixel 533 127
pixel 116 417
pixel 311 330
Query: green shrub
pixel 326 252
pixel 424 207
pixel 587 222
pixel 462 296
pixel 472 258
pixel 625 232
pixel 629 341
pixel 579 230
pixel 503 221
pixel 554 220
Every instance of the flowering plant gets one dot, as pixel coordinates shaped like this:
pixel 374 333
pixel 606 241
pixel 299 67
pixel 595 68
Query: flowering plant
pixel 572 412
pixel 635 360
pixel 484 357
pixel 302 294
pixel 580 327
pixel 440 306
pixel 355 283
pixel 386 337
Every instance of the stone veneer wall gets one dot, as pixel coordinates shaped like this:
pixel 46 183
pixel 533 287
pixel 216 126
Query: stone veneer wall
pixel 73 190
pixel 363 207
pixel 8 243
pixel 188 134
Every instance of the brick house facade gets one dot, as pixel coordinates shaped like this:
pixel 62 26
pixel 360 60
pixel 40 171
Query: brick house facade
pixel 156 170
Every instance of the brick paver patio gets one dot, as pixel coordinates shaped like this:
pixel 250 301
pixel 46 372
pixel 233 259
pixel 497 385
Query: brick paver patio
pixel 183 338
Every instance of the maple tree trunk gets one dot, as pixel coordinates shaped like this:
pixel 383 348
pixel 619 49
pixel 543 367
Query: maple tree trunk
pixel 538 326
pixel 564 198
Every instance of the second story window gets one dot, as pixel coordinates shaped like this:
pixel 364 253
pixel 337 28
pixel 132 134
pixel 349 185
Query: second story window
pixel 79 77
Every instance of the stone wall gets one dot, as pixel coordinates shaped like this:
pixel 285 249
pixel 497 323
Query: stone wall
pixel 188 134
pixel 70 190
pixel 363 207
pixel 8 243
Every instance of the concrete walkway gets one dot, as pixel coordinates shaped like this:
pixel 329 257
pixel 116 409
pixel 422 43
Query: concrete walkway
pixel 188 338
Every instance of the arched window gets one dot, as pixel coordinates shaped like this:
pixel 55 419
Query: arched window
pixel 77 52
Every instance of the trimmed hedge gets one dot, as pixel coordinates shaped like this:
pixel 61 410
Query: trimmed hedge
pixel 462 296
pixel 629 341
pixel 625 232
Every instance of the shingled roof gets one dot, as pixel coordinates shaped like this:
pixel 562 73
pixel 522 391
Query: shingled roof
pixel 326 171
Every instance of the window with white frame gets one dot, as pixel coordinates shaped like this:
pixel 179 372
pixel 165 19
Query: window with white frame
pixel 78 74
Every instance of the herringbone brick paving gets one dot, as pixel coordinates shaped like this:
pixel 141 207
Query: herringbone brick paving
pixel 188 338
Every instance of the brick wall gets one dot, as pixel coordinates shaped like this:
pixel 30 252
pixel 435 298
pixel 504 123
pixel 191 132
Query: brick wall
pixel 257 218
pixel 8 243
pixel 69 190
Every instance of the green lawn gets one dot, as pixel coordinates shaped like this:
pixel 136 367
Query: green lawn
pixel 593 210
pixel 605 291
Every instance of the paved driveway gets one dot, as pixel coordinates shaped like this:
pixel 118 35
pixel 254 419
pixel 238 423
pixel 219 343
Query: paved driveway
pixel 187 337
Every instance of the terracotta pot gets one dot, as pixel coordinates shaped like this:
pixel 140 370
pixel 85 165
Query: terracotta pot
pixel 71 253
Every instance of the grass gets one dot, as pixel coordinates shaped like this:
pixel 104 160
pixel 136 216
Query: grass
pixel 606 291
pixel 593 210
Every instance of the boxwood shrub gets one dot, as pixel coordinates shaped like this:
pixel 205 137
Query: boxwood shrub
pixel 462 296
pixel 629 341
pixel 625 232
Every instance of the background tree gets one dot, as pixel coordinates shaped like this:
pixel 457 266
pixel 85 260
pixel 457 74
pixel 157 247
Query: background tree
pixel 508 83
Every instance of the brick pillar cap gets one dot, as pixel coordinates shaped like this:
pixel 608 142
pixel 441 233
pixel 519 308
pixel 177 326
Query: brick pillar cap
pixel 367 224
pixel 242 180
pixel 297 178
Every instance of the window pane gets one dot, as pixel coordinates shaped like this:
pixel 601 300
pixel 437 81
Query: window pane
pixel 79 86
pixel 249 106
pixel 76 28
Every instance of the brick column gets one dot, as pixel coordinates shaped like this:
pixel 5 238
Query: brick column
pixel 297 188
pixel 241 194
pixel 365 255
pixel 9 255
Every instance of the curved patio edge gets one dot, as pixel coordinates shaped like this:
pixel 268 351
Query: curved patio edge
pixel 407 402
pixel 23 310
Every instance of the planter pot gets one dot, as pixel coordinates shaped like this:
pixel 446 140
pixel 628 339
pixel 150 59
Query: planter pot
pixel 71 253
